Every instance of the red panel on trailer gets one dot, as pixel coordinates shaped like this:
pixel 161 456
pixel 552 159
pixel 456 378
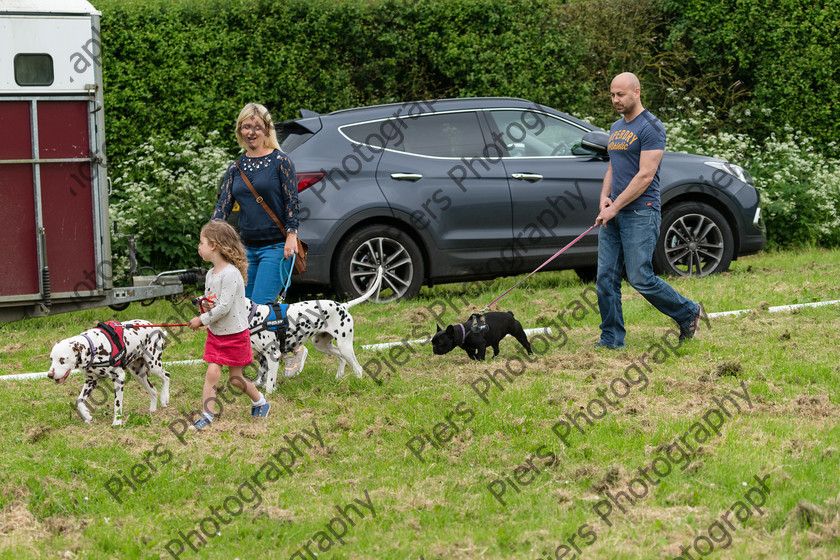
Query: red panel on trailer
pixel 16 139
pixel 66 196
pixel 19 257
pixel 63 129
pixel 68 221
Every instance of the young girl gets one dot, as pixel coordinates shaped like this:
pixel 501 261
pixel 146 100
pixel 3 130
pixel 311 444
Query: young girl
pixel 228 337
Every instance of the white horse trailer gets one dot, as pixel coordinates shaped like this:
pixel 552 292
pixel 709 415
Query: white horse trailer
pixel 53 173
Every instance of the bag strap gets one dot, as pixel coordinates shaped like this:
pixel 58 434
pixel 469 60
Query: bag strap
pixel 260 200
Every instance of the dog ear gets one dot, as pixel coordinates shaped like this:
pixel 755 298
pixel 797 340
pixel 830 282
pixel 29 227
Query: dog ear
pixel 450 330
pixel 438 327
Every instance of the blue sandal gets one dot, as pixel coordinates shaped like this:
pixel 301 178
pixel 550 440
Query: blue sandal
pixel 260 411
pixel 201 423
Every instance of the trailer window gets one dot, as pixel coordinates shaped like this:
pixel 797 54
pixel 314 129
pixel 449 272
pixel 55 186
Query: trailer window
pixel 34 70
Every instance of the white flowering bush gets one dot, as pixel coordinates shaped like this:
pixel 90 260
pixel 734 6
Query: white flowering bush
pixel 163 192
pixel 799 186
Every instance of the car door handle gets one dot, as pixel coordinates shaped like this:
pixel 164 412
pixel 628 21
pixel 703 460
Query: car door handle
pixel 532 177
pixel 406 176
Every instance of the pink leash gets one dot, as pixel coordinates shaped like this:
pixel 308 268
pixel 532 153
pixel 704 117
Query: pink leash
pixel 557 254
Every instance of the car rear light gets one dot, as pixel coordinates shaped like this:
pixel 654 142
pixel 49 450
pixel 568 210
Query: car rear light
pixel 306 180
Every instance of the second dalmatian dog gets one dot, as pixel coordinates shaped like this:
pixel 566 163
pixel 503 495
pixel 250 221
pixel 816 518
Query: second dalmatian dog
pixel 323 321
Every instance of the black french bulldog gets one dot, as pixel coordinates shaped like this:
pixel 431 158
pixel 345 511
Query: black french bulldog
pixel 481 331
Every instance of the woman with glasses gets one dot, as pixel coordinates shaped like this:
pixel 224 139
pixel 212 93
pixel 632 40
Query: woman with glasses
pixel 272 175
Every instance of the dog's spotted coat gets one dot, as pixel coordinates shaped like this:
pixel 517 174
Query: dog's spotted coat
pixel 144 356
pixel 323 321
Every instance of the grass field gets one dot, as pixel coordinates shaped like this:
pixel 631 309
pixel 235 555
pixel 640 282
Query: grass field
pixel 725 446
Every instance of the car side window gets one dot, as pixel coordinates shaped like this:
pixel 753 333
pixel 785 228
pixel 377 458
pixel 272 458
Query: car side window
pixel 529 133
pixel 446 135
pixel 453 135
pixel 376 134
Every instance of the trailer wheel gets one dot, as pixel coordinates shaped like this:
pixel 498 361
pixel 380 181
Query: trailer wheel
pixel 153 272
pixel 120 306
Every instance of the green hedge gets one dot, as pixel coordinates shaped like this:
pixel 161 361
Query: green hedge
pixel 760 66
pixel 775 62
pixel 169 66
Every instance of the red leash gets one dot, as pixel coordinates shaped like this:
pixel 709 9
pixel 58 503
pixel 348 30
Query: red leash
pixel 197 301
pixel 557 254
pixel 163 325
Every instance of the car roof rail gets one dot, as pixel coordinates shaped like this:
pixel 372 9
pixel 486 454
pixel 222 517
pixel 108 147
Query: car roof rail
pixel 441 100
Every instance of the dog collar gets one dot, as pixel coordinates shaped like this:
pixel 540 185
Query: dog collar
pixel 463 333
pixel 92 350
pixel 253 312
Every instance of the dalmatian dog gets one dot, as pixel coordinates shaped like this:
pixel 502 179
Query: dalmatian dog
pixel 328 323
pixel 91 351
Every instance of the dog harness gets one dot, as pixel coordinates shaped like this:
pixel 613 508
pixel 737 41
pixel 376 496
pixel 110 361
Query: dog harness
pixel 114 333
pixel 277 321
pixel 476 324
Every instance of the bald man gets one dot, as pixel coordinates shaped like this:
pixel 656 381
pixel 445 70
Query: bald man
pixel 630 216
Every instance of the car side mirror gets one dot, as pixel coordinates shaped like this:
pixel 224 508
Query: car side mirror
pixel 596 141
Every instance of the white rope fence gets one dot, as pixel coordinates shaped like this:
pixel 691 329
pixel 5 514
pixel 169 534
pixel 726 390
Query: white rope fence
pixel 386 345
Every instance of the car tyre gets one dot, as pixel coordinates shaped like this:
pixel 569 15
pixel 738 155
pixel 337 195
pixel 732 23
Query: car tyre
pixel 360 254
pixel 695 240
pixel 587 274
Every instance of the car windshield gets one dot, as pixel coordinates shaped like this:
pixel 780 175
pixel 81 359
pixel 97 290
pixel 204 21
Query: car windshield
pixel 291 135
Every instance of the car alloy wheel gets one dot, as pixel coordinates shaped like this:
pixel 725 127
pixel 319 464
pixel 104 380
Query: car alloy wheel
pixel 361 254
pixel 697 241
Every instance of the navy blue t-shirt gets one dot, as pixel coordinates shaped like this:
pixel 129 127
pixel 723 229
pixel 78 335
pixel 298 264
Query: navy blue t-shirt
pixel 273 177
pixel 627 142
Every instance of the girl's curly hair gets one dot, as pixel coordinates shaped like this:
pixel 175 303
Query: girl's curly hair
pixel 225 240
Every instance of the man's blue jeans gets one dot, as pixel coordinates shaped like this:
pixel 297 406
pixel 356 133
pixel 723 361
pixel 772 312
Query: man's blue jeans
pixel 267 272
pixel 627 241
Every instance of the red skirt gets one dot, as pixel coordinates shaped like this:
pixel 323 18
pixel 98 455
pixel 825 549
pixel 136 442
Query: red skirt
pixel 229 349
